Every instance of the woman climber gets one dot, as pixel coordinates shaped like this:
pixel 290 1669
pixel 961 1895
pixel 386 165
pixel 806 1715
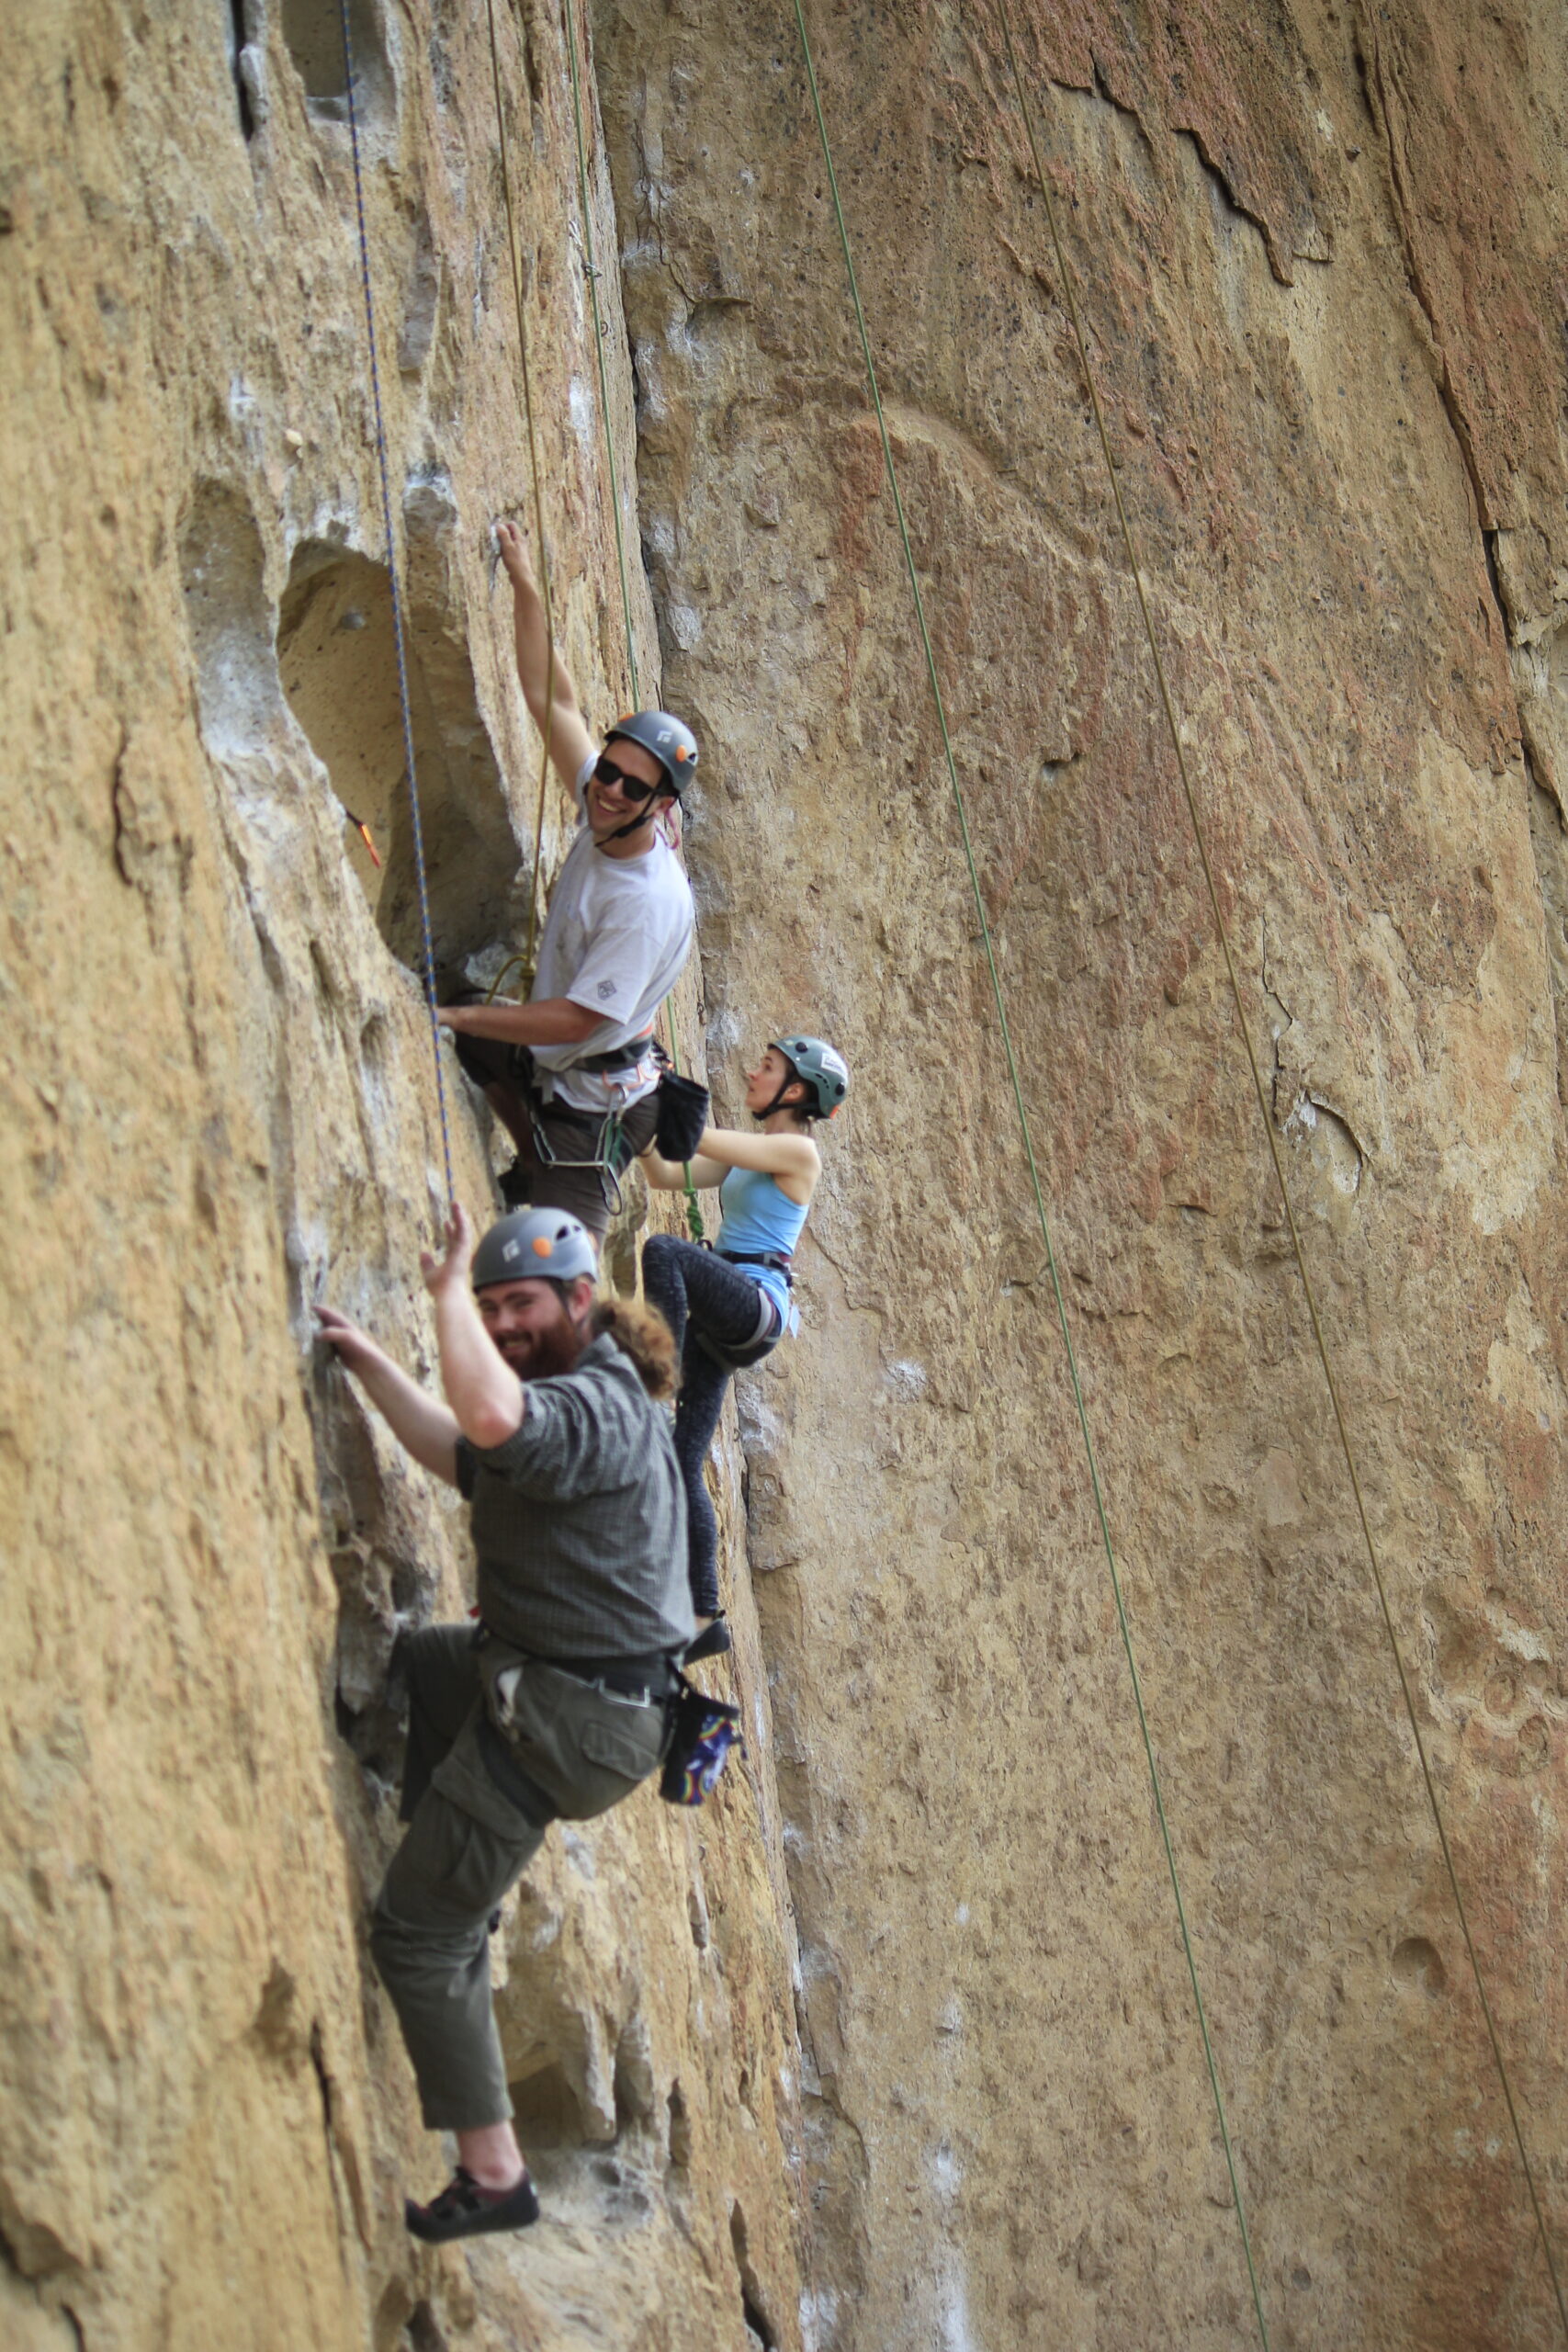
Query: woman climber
pixel 730 1307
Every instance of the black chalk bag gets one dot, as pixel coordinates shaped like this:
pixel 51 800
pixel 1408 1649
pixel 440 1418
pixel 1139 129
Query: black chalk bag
pixel 682 1112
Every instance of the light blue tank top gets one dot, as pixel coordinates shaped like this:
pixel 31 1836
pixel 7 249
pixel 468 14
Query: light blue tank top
pixel 758 1216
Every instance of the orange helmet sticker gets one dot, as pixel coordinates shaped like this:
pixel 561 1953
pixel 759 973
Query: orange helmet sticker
pixel 542 1248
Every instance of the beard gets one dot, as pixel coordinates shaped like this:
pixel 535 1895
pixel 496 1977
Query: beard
pixel 540 1355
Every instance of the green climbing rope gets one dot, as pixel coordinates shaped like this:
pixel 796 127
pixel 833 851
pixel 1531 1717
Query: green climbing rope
pixel 1319 1337
pixel 1006 1032
pixel 694 1214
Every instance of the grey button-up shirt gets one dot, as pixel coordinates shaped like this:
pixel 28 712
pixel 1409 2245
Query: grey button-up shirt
pixel 579 1518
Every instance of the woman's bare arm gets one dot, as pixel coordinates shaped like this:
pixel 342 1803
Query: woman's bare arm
pixel 671 1175
pixel 794 1160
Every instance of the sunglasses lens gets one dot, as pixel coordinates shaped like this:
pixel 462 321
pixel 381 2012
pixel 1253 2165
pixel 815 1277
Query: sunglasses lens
pixel 633 786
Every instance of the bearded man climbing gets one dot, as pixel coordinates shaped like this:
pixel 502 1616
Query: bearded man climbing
pixel 552 1706
pixel 571 1074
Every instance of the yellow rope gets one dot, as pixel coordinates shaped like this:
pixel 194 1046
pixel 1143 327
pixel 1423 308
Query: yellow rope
pixel 694 1214
pixel 525 387
pixel 1135 568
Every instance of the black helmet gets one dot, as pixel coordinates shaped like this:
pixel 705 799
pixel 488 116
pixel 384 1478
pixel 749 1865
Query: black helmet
pixel 671 740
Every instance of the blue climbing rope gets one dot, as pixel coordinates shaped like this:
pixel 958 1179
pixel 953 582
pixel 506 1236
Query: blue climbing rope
pixel 429 953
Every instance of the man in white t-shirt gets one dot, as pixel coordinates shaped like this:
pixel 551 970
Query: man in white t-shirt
pixel 571 1073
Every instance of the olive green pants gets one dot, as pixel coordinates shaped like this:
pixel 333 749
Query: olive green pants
pixel 478 1806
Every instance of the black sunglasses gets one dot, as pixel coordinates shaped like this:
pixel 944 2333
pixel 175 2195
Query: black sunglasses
pixel 606 771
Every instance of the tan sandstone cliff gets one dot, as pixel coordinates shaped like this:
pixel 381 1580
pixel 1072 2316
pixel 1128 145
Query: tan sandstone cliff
pixel 890 2049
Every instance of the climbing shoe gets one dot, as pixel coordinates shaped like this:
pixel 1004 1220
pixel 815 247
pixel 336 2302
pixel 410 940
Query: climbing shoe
pixel 464 2210
pixel 712 1642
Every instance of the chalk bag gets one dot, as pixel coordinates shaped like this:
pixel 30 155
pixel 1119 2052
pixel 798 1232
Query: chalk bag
pixel 703 1731
pixel 682 1112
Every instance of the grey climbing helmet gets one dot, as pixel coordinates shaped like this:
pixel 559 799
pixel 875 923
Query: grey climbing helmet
pixel 671 740
pixel 820 1065
pixel 534 1245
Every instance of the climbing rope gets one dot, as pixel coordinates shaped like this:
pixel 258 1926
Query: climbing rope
pixel 1320 1341
pixel 1043 1219
pixel 397 606
pixel 694 1214
pixel 525 389
pixel 593 276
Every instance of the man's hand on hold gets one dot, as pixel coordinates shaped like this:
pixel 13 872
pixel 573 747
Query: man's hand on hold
pixel 450 1273
pixel 354 1349
pixel 514 555
pixel 416 1420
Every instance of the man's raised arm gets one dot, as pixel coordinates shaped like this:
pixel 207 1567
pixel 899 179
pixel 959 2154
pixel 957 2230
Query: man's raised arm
pixel 546 683
pixel 486 1396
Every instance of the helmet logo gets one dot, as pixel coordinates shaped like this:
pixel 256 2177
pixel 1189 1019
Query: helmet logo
pixel 510 1249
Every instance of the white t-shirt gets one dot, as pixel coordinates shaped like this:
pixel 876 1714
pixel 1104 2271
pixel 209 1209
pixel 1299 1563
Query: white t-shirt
pixel 615 940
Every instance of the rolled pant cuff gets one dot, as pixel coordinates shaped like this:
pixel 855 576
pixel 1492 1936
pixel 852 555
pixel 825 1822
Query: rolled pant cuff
pixel 441 2115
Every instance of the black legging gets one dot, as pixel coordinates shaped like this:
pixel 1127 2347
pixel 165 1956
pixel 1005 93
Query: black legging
pixel 695 1291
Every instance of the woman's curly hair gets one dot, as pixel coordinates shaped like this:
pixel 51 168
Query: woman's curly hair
pixel 641 1333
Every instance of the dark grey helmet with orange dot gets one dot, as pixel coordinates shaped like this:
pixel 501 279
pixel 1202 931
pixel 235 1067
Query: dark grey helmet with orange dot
pixel 669 739
pixel 534 1245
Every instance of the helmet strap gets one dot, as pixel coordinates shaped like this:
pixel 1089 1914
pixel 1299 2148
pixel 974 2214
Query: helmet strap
pixel 649 810
pixel 624 832
pixel 778 1103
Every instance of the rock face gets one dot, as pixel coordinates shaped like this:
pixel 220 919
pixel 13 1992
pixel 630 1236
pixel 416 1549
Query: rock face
pixel 893 2046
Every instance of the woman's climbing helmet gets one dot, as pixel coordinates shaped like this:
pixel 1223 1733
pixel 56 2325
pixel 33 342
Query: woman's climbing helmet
pixel 671 740
pixel 821 1065
pixel 534 1245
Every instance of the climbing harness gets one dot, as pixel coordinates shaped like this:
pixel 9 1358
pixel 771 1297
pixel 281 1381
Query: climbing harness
pixel 606 1147
pixel 694 1214
pixel 1319 1337
pixel 396 603
pixel 1043 1219
pixel 525 386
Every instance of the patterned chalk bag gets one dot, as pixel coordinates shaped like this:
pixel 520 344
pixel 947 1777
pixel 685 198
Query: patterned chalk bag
pixel 701 1733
